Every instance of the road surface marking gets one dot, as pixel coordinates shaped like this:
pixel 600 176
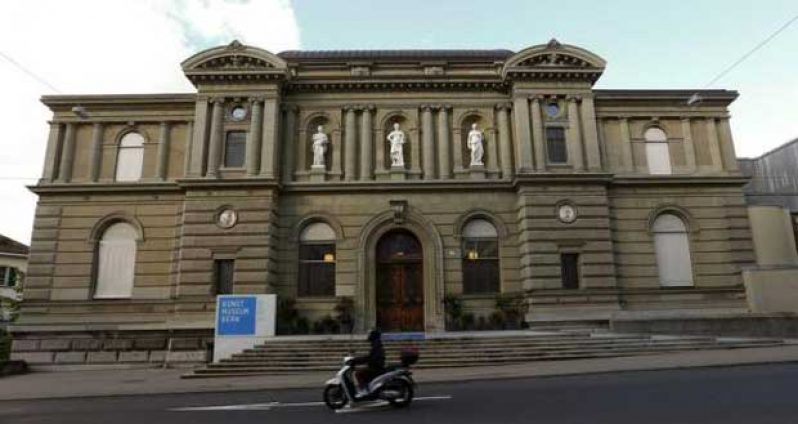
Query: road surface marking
pixel 271 405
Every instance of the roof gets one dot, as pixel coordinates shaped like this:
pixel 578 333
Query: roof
pixel 403 55
pixel 8 245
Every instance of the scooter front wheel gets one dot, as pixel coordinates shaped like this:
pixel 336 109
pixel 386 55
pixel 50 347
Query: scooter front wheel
pixel 335 397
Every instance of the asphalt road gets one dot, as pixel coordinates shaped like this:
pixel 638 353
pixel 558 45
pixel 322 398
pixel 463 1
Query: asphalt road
pixel 751 394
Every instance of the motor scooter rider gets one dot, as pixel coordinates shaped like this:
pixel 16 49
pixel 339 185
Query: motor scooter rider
pixel 374 361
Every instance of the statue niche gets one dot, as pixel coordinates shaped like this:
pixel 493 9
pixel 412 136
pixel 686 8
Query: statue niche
pixel 396 139
pixel 318 144
pixel 473 145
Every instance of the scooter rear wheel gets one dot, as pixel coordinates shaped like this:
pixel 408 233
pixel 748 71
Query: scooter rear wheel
pixel 405 390
pixel 335 397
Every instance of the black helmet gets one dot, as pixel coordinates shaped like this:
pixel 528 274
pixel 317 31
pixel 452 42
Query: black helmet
pixel 374 334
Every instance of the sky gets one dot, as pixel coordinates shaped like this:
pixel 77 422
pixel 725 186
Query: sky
pixel 125 46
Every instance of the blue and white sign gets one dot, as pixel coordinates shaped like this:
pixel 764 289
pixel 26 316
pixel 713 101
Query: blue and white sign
pixel 242 321
pixel 236 316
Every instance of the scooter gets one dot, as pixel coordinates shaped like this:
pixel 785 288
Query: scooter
pixel 395 385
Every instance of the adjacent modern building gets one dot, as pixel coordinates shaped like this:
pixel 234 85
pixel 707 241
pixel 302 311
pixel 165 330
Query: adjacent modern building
pixel 13 264
pixel 394 178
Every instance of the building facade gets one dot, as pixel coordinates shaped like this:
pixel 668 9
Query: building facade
pixel 13 264
pixel 394 178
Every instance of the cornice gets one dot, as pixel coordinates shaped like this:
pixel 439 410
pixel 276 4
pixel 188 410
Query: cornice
pixel 670 180
pixel 407 85
pixel 83 188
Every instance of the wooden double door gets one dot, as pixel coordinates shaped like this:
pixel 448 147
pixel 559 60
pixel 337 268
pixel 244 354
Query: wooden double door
pixel 400 282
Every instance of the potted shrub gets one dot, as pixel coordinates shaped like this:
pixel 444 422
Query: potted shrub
pixel 513 307
pixel 467 321
pixel 344 314
pixel 496 320
pixel 287 315
pixel 453 307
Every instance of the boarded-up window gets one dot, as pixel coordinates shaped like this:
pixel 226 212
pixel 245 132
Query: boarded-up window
pixel 672 248
pixel 480 257
pixel 130 158
pixel 317 261
pixel 657 152
pixel 117 262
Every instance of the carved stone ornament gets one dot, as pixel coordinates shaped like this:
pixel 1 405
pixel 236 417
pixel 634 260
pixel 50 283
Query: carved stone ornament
pixel 399 208
pixel 566 213
pixel 227 218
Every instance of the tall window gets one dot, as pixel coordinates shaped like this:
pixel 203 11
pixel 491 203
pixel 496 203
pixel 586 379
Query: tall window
pixel 480 257
pixel 657 153
pixel 223 273
pixel 317 260
pixel 235 149
pixel 8 276
pixel 672 247
pixel 130 158
pixel 555 145
pixel 117 262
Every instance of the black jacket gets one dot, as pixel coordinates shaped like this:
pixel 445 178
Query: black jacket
pixel 376 357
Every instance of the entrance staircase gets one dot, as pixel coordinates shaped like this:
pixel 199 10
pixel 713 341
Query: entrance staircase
pixel 464 350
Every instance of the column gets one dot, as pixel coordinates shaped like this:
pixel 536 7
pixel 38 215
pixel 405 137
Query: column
pixel 163 152
pixel 538 138
pixel 727 146
pixel 688 146
pixel 254 137
pixel 289 142
pixel 415 149
pixel 52 155
pixel 427 142
pixel 199 140
pixel 269 142
pixel 187 154
pixel 492 149
pixel 301 147
pixel 626 145
pixel 67 154
pixel 523 137
pixel 335 145
pixel 444 163
pixel 714 146
pixel 95 154
pixel 457 149
pixel 366 142
pixel 590 134
pixel 350 146
pixel 379 153
pixel 215 148
pixel 574 135
pixel 505 147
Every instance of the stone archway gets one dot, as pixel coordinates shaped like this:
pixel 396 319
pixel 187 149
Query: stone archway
pixel 431 267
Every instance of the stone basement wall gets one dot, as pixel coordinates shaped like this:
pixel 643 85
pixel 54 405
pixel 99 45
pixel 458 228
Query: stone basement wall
pixel 118 348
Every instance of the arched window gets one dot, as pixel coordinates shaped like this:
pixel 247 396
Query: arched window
pixel 116 262
pixel 673 251
pixel 480 257
pixel 316 260
pixel 657 153
pixel 130 158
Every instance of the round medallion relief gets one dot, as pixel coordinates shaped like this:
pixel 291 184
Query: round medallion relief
pixel 566 213
pixel 238 113
pixel 227 218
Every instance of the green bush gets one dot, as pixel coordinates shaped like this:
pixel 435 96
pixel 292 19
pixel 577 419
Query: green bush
pixel 5 345
pixel 453 307
pixel 345 314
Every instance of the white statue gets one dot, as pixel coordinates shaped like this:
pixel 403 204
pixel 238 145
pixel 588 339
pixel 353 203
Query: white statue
pixel 474 144
pixel 397 139
pixel 319 147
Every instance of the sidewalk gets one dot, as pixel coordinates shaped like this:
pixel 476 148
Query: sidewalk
pixel 65 384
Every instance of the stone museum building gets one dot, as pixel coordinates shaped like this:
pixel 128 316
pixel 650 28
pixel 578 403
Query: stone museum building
pixel 395 178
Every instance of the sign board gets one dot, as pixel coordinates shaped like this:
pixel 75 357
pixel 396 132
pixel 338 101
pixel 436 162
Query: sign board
pixel 242 321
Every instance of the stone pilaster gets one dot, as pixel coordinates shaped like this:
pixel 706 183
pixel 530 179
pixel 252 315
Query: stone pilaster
pixel 727 146
pixel 688 146
pixel 335 144
pixel 590 134
pixel 95 154
pixel 415 149
pixel 523 136
pixel 254 138
pixel 457 150
pixel 53 152
pixel 163 151
pixel 714 145
pixel 505 145
pixel 290 145
pixel 491 146
pixel 427 140
pixel 444 163
pixel 301 152
pixel 366 143
pixel 187 154
pixel 350 144
pixel 538 137
pixel 574 139
pixel 67 154
pixel 626 145
pixel 379 153
pixel 199 141
pixel 215 148
pixel 269 142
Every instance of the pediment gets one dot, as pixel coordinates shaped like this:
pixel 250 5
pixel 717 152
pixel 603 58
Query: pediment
pixel 554 60
pixel 234 61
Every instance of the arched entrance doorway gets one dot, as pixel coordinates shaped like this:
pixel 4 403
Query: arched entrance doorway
pixel 400 282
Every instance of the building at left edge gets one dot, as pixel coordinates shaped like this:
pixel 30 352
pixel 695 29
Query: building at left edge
pixel 396 179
